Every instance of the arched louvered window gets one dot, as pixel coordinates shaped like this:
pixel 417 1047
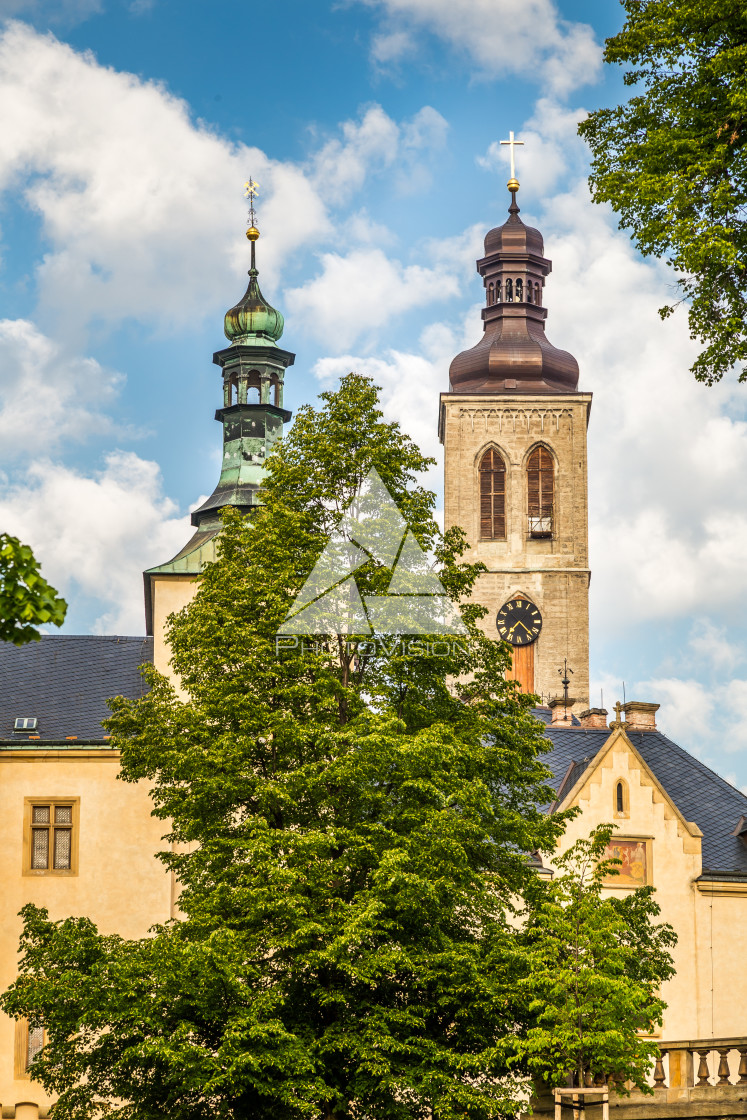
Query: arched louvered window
pixel 491 294
pixel 540 483
pixel 492 496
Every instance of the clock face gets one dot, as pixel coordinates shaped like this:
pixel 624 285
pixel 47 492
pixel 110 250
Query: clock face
pixel 519 622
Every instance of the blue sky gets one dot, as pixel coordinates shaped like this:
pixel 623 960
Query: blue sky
pixel 372 126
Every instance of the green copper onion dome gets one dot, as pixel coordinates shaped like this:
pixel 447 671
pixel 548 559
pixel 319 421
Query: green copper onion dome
pixel 253 321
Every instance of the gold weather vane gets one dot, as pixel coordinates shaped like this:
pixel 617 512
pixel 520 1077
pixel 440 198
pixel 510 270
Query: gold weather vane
pixel 251 190
pixel 511 143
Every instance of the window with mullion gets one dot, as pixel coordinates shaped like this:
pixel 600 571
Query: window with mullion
pixel 51 837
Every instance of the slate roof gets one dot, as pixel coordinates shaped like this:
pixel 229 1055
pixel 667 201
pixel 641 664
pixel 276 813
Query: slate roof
pixel 65 681
pixel 699 794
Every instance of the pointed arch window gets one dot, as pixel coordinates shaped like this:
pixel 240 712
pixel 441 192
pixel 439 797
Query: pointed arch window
pixel 541 487
pixel 492 496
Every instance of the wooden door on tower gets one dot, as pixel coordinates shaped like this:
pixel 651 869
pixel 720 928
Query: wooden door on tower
pixel 519 623
pixel 522 668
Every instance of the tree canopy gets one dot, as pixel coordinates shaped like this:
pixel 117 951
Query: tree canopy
pixel 349 830
pixel 591 992
pixel 26 599
pixel 671 160
pixel 350 825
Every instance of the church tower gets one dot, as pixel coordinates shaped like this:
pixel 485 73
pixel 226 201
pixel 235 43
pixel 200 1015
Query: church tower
pixel 513 426
pixel 252 416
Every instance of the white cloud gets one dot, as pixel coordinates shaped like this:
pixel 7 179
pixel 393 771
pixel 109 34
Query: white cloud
pixel 48 398
pixel 410 385
pixel 550 149
pixel 500 37
pixel 96 535
pixel 712 648
pixel 361 291
pixel 141 206
pixel 374 144
pixel 686 709
pixel 664 525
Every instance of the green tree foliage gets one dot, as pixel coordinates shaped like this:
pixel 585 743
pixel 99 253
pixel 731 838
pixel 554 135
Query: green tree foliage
pixel 671 160
pixel 595 970
pixel 26 599
pixel 347 828
pixel 349 831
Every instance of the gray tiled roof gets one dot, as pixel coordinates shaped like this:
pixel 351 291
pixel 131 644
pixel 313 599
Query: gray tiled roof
pixel 699 794
pixel 65 681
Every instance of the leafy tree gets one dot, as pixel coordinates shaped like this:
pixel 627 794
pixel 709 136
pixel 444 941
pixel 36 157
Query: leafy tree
pixel 347 827
pixel 671 160
pixel 26 599
pixel 595 969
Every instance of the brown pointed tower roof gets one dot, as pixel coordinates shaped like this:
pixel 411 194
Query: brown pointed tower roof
pixel 514 355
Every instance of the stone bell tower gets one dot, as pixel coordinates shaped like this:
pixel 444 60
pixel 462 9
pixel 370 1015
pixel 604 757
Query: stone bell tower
pixel 513 426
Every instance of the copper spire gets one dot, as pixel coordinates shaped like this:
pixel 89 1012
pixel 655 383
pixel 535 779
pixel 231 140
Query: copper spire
pixel 514 354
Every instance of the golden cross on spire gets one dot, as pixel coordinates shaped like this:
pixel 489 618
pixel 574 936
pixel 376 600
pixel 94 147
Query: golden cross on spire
pixel 251 190
pixel 512 143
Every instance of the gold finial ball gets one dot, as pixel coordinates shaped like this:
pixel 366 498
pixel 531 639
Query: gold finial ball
pixel 252 233
pixel 513 184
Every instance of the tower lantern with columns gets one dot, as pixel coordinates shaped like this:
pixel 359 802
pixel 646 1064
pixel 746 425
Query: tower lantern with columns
pixel 513 426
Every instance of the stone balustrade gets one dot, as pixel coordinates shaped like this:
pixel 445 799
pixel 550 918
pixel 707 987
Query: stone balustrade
pixel 700 1079
pixel 711 1061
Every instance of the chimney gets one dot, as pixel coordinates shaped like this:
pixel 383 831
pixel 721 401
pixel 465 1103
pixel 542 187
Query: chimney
pixel 640 716
pixel 562 711
pixel 595 718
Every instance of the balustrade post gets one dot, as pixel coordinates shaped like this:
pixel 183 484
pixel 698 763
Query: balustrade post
pixel 659 1076
pixel 723 1066
pixel 703 1071
pixel 742 1065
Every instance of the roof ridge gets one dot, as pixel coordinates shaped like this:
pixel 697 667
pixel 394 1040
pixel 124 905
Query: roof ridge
pixel 98 637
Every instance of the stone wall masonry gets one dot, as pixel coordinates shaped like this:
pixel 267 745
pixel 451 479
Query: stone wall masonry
pixel 553 573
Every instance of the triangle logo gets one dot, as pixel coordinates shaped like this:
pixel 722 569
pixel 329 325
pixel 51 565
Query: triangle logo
pixel 412 575
pixel 372 527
